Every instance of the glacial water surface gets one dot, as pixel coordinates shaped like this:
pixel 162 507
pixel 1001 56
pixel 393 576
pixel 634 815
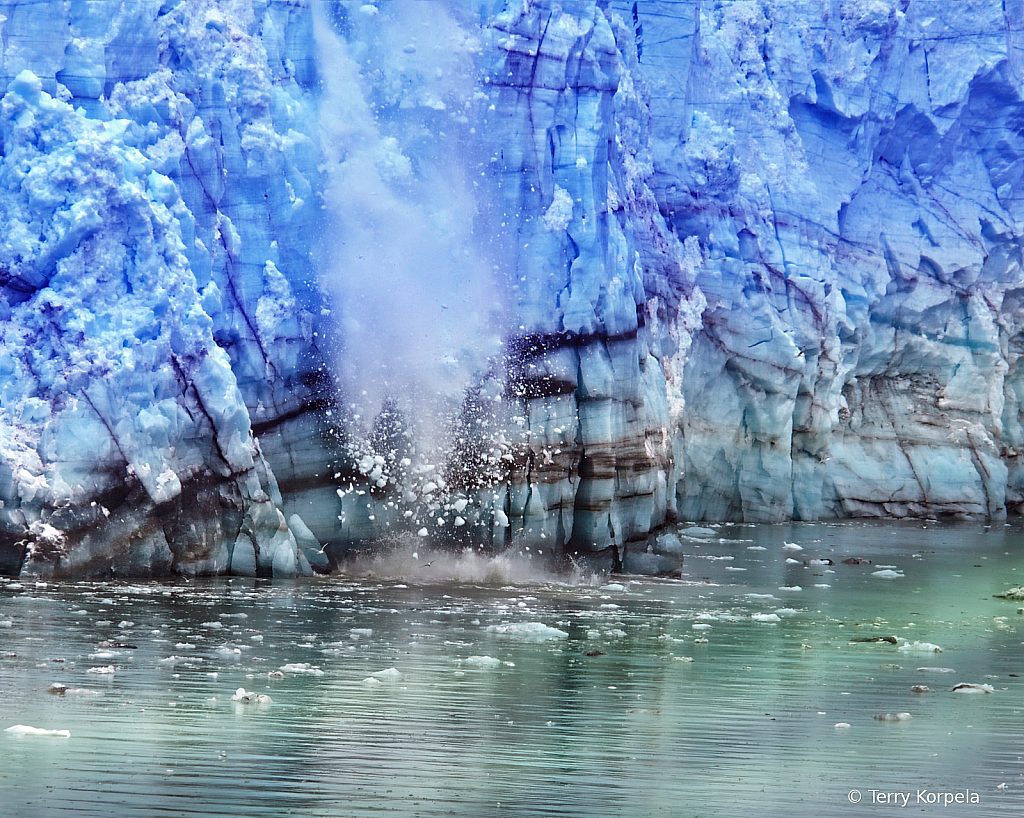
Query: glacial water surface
pixel 466 689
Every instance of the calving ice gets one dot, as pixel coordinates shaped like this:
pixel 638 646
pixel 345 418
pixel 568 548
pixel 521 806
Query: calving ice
pixel 769 269
pixel 943 798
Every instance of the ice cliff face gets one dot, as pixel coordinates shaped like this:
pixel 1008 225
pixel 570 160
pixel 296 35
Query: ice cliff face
pixel 279 274
pixel 155 181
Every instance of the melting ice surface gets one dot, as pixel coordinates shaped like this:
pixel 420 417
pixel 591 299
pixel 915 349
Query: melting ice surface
pixel 412 693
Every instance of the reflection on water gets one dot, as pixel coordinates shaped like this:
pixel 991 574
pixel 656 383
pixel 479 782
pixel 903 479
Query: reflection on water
pixel 390 696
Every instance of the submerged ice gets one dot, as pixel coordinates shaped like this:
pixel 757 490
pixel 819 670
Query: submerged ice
pixel 282 279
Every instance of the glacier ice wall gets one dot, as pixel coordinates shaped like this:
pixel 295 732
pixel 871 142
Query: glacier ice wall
pixel 851 172
pixel 281 273
pixel 157 178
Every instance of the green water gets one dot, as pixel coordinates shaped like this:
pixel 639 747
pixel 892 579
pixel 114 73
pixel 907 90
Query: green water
pixel 655 722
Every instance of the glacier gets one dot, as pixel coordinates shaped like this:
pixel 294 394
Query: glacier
pixel 285 279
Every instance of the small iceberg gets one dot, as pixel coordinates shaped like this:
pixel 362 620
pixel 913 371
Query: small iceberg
pixel 920 647
pixel 25 730
pixel 392 674
pixel 528 631
pixel 247 697
pixel 892 717
pixel 888 573
pixel 967 687
pixel 59 689
pixel 936 670
pixel 1013 593
pixel 482 661
pixel 792 546
pixel 102 671
pixel 302 667
pixel 765 617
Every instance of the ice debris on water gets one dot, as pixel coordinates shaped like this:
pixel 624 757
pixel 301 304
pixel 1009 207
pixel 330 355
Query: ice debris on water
pixel 302 667
pixel 888 573
pixel 482 661
pixel 892 717
pixel 968 687
pixel 842 725
pixel 528 631
pixel 250 697
pixel 765 617
pixel 103 671
pixel 1013 593
pixel 920 647
pixel 25 730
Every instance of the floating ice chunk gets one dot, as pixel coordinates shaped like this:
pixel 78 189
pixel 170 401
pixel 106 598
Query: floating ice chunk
pixel 1013 593
pixel 613 586
pixel 920 647
pixel 756 548
pixel 698 531
pixel 356 633
pixel 892 717
pixel 105 654
pixel 528 631
pixel 936 670
pixel 370 681
pixel 422 532
pixel 302 667
pixel 790 588
pixel 58 689
pixel 392 674
pixel 482 661
pixel 786 611
pixel 842 725
pixel 102 671
pixel 792 546
pixel 791 561
pixel 765 617
pixel 701 626
pixel 888 573
pixel 25 730
pixel 686 659
pixel 249 697
pixel 968 687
